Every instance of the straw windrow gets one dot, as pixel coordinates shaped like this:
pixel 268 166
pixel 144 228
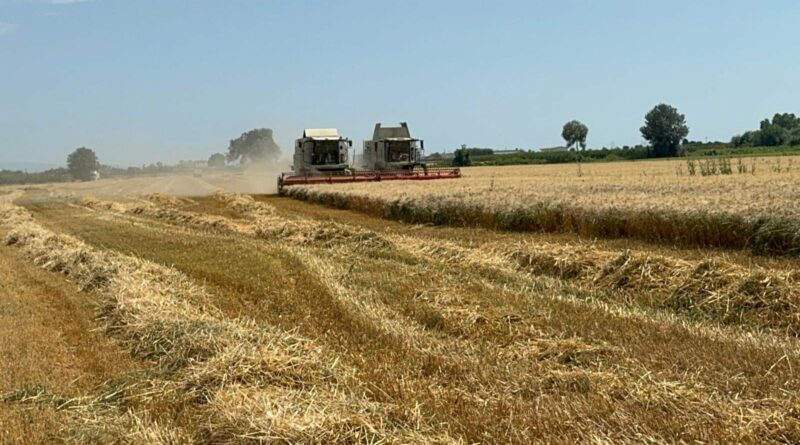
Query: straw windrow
pixel 258 219
pixel 205 358
pixel 488 337
pixel 713 288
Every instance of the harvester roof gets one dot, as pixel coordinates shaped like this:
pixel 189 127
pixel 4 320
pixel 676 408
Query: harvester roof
pixel 400 133
pixel 321 134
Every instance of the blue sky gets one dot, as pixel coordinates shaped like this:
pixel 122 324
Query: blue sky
pixel 143 81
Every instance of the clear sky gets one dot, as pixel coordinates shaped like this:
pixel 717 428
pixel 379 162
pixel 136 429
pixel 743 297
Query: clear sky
pixel 149 80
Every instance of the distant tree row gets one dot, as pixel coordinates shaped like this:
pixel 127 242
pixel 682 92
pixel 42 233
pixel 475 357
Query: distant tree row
pixel 60 174
pixel 784 129
pixel 664 127
pixel 253 146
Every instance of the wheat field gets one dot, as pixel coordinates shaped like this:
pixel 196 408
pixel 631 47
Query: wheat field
pixel 756 205
pixel 233 319
pixel 643 185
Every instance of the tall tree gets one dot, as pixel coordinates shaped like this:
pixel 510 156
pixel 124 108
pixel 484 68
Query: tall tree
pixel 574 133
pixel 82 163
pixel 462 157
pixel 254 145
pixel 664 128
pixel 216 160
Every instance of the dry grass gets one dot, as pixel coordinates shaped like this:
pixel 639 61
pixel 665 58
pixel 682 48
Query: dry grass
pixel 50 352
pixel 254 219
pixel 466 337
pixel 201 359
pixel 713 288
pixel 641 200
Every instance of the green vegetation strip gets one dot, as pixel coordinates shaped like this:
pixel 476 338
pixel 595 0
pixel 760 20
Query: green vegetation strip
pixel 763 236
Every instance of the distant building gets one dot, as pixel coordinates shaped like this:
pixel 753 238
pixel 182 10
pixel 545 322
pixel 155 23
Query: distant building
pixel 547 149
pixel 508 152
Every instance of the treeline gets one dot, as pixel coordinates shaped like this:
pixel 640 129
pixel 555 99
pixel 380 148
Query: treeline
pixel 60 174
pixel 664 128
pixel 63 174
pixel 784 129
pixel 486 156
pixel 256 145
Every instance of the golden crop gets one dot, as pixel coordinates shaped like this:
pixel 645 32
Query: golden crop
pixel 645 185
pixel 269 320
pixel 754 207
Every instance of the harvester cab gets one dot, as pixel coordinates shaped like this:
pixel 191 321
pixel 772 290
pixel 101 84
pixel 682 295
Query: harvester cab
pixel 321 150
pixel 393 148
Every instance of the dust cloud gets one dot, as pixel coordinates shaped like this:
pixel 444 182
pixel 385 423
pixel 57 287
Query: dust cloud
pixel 254 179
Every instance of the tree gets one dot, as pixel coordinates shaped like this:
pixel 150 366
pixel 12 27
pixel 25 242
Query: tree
pixel 216 160
pixel 82 163
pixel 772 135
pixel 664 128
pixel 575 133
pixel 786 121
pixel 462 158
pixel 784 129
pixel 254 145
pixel 794 137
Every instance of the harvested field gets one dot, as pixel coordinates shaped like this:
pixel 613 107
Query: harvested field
pixel 271 320
pixel 654 201
pixel 203 364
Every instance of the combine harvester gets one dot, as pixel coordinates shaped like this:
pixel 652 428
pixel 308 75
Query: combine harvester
pixel 321 157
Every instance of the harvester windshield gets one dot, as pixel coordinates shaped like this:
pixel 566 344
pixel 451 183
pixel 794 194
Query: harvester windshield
pixel 401 151
pixel 326 152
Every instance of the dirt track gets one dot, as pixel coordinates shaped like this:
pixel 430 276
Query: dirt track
pixel 256 181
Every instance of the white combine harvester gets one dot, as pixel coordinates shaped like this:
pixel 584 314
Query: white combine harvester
pixel 393 148
pixel 321 157
pixel 321 150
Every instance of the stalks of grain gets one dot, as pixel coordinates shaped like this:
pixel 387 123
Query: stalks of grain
pixel 245 204
pixel 639 200
pixel 261 221
pixel 199 353
pixel 719 290
pixel 772 235
pixel 164 200
pixel 723 291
